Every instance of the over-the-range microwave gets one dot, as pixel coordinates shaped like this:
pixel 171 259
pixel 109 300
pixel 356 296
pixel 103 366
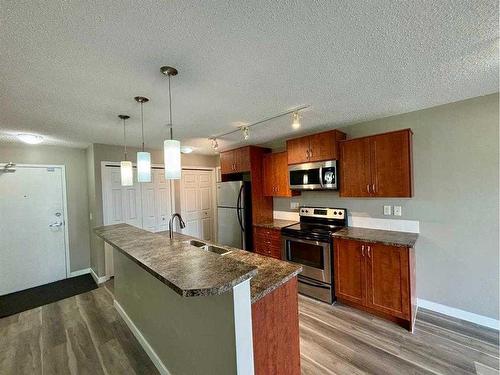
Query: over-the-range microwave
pixel 313 176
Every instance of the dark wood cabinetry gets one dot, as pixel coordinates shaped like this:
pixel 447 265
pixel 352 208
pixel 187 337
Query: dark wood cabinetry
pixel 235 161
pixel 275 175
pixel 316 147
pixel 267 241
pixel 377 166
pixel 377 278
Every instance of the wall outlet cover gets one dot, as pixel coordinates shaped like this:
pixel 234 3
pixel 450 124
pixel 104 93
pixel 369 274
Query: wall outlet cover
pixel 397 211
pixel 294 205
pixel 387 210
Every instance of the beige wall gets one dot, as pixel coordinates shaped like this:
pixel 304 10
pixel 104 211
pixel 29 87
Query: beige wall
pixel 97 153
pixel 456 175
pixel 76 187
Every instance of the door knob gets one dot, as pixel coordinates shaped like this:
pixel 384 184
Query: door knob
pixel 56 225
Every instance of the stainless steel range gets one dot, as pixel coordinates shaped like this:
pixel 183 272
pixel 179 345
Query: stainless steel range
pixel 310 244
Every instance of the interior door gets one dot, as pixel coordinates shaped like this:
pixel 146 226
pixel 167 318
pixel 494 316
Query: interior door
pixel 163 199
pixel 197 203
pixel 349 269
pixel 32 245
pixel 355 172
pixel 387 276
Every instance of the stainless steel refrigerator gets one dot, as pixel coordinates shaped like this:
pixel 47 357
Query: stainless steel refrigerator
pixel 234 214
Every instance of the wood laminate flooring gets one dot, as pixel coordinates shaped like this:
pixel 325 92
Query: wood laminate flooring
pixel 85 335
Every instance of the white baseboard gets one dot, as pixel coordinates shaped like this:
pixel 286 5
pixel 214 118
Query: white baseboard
pixel 460 314
pixel 142 340
pixel 83 271
pixel 98 279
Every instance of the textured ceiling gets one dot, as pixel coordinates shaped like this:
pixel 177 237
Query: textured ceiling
pixel 68 68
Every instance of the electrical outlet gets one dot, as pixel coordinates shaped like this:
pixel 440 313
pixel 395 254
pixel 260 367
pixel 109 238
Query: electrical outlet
pixel 387 210
pixel 397 211
pixel 294 205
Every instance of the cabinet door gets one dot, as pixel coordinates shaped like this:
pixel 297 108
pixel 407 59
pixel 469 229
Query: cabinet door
pixel 387 279
pixel 281 176
pixel 323 146
pixel 391 164
pixel 268 175
pixel 355 178
pixel 227 162
pixel 298 150
pixel 349 270
pixel 242 159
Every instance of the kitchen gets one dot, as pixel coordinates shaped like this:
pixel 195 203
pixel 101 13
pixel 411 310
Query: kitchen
pixel 343 221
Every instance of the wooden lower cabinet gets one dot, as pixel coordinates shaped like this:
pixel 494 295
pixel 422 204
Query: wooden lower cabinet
pixel 275 327
pixel 267 241
pixel 377 278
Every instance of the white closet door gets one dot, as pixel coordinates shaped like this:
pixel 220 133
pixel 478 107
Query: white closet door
pixel 149 221
pixel 197 203
pixel 163 198
pixel 122 204
pixel 32 245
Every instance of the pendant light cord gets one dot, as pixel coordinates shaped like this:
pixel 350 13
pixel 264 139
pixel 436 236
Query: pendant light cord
pixel 124 140
pixel 142 122
pixel 170 109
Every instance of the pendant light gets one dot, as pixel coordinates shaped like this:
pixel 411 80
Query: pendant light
pixel 171 147
pixel 143 157
pixel 126 173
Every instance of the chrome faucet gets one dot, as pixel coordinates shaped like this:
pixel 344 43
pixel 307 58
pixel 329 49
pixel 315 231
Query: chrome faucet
pixel 171 224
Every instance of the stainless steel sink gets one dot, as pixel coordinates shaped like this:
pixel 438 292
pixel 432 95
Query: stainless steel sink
pixel 207 247
pixel 197 243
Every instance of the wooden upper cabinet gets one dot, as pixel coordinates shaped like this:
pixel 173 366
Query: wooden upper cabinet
pixel 317 147
pixel 387 276
pixel 377 166
pixel 349 270
pixel 275 175
pixel 355 175
pixel 235 161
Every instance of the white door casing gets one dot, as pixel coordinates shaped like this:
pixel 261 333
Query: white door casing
pixel 33 227
pixel 197 203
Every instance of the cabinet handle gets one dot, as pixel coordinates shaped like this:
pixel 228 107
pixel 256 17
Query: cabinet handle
pixel 310 152
pixel 368 188
pixel 373 188
pixel 363 250
pixel 369 252
pixel 307 154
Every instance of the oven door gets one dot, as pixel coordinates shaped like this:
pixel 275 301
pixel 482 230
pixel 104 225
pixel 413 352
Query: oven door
pixel 313 256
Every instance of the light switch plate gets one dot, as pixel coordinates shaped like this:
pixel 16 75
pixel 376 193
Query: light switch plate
pixel 397 211
pixel 387 210
pixel 294 205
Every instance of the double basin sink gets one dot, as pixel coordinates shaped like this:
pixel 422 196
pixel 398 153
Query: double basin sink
pixel 208 247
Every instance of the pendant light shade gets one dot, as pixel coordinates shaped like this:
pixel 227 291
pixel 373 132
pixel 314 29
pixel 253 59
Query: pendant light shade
pixel 172 157
pixel 143 157
pixel 171 147
pixel 126 171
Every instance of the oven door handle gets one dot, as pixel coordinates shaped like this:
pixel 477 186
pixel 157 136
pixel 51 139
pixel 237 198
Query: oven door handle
pixel 312 283
pixel 312 242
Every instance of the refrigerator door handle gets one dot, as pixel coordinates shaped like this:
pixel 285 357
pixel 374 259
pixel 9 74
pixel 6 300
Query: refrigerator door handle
pixel 238 209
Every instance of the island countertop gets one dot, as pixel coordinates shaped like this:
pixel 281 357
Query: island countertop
pixel 191 271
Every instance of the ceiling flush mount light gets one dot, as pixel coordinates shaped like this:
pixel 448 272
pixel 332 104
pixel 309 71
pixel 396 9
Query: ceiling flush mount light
pixel 31 139
pixel 171 147
pixel 126 173
pixel 296 120
pixel 246 132
pixel 143 157
pixel 186 149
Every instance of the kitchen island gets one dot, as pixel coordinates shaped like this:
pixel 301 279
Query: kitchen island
pixel 205 310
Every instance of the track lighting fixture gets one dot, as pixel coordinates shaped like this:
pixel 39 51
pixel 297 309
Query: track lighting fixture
pixel 246 132
pixel 296 120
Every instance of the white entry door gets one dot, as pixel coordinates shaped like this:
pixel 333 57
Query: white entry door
pixel 32 233
pixel 156 202
pixel 197 203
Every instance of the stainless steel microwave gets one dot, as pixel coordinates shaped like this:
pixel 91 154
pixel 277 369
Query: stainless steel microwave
pixel 313 176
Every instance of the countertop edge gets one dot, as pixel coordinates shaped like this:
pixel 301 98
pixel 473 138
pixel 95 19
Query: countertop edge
pixel 409 243
pixel 182 292
pixel 275 286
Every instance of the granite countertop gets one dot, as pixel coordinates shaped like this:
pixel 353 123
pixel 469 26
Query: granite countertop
pixel 275 224
pixel 191 271
pixel 387 237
